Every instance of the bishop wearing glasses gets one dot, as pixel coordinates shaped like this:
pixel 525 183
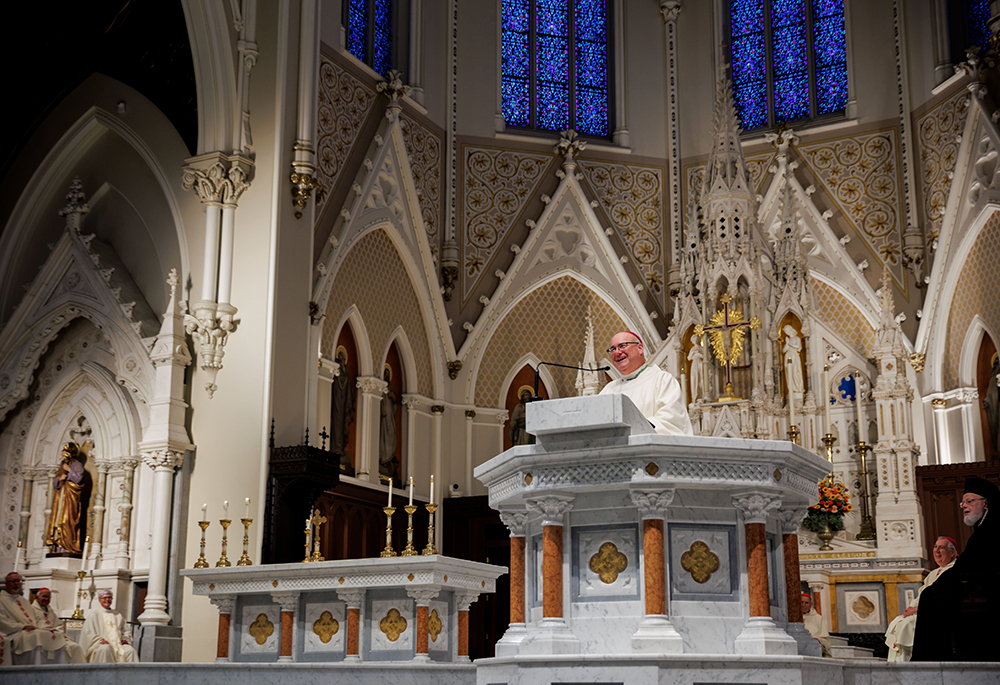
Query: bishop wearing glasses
pixel 656 393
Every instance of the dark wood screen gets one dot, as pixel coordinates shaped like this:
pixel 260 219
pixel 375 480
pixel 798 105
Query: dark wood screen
pixel 940 490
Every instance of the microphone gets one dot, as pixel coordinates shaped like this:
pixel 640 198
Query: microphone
pixel 562 366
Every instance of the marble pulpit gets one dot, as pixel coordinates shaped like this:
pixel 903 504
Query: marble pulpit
pixel 628 544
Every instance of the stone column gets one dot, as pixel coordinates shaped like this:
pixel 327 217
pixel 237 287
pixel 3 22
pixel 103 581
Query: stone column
pixel 554 635
pixel 656 633
pixel 50 493
pixel 790 520
pixel 354 599
pixel 941 430
pixel 121 555
pixel 463 600
pixel 163 462
pixel 760 634
pixel 225 605
pixel 412 403
pixel 27 481
pixel 97 529
pixel 423 597
pixel 371 393
pixel 516 522
pixel 288 602
pixel 669 10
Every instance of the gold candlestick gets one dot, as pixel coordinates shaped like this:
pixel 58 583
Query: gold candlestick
pixel 245 559
pixel 793 434
pixel 388 551
pixel 317 520
pixel 867 530
pixel 829 441
pixel 78 612
pixel 202 561
pixel 410 550
pixel 223 560
pixel 308 531
pixel 430 548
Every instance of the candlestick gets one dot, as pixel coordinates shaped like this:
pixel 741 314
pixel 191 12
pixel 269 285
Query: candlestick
pixel 202 561
pixel 245 559
pixel 857 405
pixel 224 560
pixel 247 514
pixel 78 612
pixel 389 504
pixel 86 551
pixel 410 550
pixel 388 551
pixel 410 503
pixel 826 397
pixel 17 559
pixel 829 440
pixel 867 529
pixel 793 434
pixel 432 488
pixel 431 508
pixel 308 532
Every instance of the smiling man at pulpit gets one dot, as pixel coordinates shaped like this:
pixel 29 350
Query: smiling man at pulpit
pixel 655 392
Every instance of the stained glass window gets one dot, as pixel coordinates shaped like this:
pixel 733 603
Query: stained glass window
pixel 789 60
pixel 370 31
pixel 979 14
pixel 554 65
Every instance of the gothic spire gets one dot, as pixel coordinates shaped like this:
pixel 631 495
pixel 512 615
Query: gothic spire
pixel 727 172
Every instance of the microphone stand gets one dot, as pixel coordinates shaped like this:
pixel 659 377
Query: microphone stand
pixel 562 366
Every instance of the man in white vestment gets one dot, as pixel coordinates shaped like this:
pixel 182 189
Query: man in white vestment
pixel 814 624
pixel 899 636
pixel 654 392
pixel 19 624
pixel 105 635
pixel 47 620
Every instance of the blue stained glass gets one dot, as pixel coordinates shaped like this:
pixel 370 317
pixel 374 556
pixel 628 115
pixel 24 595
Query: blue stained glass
pixel 552 64
pixel 553 106
pixel 516 102
pixel 747 17
pixel 357 29
pixel 592 112
pixel 791 97
pixel 831 90
pixel 829 42
pixel 552 17
pixel 514 16
pixel 751 104
pixel 749 63
pixel 979 14
pixel 382 38
pixel 516 62
pixel 830 47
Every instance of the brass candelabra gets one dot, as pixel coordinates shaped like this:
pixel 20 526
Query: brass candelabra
pixel 202 561
pixel 829 440
pixel 245 559
pixel 78 612
pixel 867 530
pixel 388 551
pixel 410 550
pixel 793 434
pixel 308 532
pixel 224 560
pixel 430 548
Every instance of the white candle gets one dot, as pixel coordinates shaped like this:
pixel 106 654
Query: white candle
pixel 390 494
pixel 204 512
pixel 247 515
pixel 17 559
pixel 857 405
pixel 225 509
pixel 826 398
pixel 86 550
pixel 411 491
pixel 432 489
pixel 791 399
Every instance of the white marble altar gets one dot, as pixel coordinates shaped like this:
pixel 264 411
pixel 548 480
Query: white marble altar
pixel 353 610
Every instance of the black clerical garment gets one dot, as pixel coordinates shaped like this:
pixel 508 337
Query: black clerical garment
pixel 958 614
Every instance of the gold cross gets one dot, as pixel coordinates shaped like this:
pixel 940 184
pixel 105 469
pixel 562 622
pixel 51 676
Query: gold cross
pixel 726 326
pixel 317 520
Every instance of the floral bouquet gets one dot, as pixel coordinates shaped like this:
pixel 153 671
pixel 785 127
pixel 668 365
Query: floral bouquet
pixel 834 502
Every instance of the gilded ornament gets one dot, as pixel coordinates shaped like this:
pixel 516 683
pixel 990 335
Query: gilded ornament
pixel 777 475
pixel 863 607
pixel 261 629
pixel 211 586
pixel 917 361
pixel 341 580
pixel 410 577
pixel 700 562
pixel 434 625
pixel 652 469
pixel 528 478
pixel 325 627
pixel 608 562
pixel 274 583
pixel 392 624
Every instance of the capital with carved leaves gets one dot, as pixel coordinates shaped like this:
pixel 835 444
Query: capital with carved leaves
pixel 652 504
pixel 352 598
pixel 463 600
pixel 288 600
pixel 516 522
pixel 670 9
pixel 224 603
pixel 423 595
pixel 162 458
pixel 756 506
pixel 393 87
pixel 791 518
pixel 551 507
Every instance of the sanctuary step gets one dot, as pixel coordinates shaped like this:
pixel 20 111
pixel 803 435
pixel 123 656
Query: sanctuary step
pixel 840 649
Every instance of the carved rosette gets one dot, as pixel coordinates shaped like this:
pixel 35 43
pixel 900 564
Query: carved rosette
pixel 463 600
pixel 165 458
pixel 755 507
pixel 516 521
pixel 352 598
pixel 422 595
pixel 551 508
pixel 791 518
pixel 224 603
pixel 652 504
pixel 287 600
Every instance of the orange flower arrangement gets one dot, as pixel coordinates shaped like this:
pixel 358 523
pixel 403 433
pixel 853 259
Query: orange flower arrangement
pixel 834 502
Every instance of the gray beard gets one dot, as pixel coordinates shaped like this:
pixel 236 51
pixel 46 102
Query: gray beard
pixel 972 519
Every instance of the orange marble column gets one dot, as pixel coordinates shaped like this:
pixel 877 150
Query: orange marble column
pixel 422 630
pixel 354 599
pixel 287 622
pixel 517 548
pixel 463 600
pixel 288 601
pixel 225 604
pixel 423 597
pixel 552 575
pixel 653 566
pixel 793 581
pixel 760 604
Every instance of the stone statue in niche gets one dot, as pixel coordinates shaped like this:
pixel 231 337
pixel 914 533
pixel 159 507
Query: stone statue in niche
pixel 63 533
pixel 342 411
pixel 517 431
pixel 696 358
pixel 793 361
pixel 388 462
pixel 992 405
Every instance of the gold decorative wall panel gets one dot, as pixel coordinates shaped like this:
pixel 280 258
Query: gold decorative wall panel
pixel 842 316
pixel 423 148
pixel 344 104
pixel 937 143
pixel 373 278
pixel 608 562
pixel 551 323
pixel 632 198
pixel 861 176
pixel 976 293
pixel 497 186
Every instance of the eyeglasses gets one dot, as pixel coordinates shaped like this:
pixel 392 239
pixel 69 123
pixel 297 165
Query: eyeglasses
pixel 621 347
pixel 968 502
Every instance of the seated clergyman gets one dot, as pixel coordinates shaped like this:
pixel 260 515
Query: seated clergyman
pixel 47 620
pixel 27 640
pixel 655 392
pixel 814 623
pixel 105 634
